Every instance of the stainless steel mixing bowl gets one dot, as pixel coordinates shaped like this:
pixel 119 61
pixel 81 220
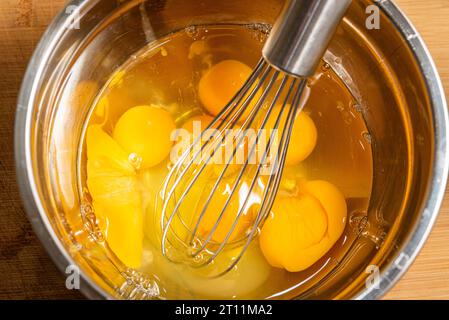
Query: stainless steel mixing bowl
pixel 388 70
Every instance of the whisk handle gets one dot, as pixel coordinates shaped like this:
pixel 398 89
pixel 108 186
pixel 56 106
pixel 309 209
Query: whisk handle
pixel 302 33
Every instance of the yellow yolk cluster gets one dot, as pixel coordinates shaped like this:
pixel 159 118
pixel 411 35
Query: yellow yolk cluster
pixel 116 198
pixel 222 81
pixel 142 133
pixel 221 194
pixel 303 227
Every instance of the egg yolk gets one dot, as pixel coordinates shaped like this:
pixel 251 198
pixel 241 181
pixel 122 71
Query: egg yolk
pixel 202 121
pixel 303 138
pixel 145 131
pixel 236 204
pixel 302 228
pixel 221 83
pixel 112 184
pixel 224 152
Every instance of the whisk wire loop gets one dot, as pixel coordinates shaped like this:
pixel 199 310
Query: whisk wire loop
pixel 228 162
pixel 274 178
pixel 225 113
pixel 181 177
pixel 255 176
pixel 297 42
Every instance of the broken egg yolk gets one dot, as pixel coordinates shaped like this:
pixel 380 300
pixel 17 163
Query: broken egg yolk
pixel 303 137
pixel 220 84
pixel 302 228
pixel 116 199
pixel 145 132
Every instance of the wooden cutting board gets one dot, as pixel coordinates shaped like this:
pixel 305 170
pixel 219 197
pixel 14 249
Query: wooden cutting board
pixel 27 272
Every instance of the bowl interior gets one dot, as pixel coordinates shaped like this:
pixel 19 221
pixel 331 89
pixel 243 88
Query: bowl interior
pixel 378 66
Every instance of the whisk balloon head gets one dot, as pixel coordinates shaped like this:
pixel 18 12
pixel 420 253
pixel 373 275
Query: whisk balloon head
pixel 220 190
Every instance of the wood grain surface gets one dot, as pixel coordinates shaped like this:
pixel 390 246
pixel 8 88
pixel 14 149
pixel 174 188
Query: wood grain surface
pixel 26 271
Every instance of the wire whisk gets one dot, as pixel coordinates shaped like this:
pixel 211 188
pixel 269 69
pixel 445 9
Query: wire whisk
pixel 255 127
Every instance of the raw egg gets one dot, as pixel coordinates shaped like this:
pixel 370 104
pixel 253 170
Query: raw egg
pixel 303 138
pixel 224 152
pixel 145 132
pixel 112 184
pixel 303 227
pixel 230 219
pixel 197 124
pixel 221 83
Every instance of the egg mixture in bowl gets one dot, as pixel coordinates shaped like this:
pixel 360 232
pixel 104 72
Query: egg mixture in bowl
pixel 363 180
pixel 182 82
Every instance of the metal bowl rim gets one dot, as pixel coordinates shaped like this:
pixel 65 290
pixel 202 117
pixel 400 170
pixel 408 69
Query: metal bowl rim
pixel 41 225
pixel 439 177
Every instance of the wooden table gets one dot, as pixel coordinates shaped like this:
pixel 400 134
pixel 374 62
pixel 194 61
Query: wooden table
pixel 26 271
